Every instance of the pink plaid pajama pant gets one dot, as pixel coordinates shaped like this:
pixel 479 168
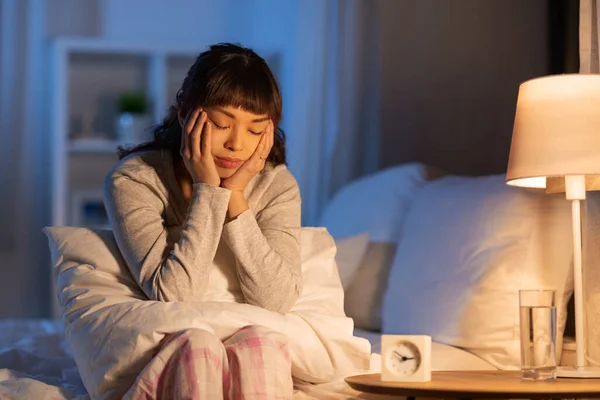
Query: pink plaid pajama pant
pixel 252 364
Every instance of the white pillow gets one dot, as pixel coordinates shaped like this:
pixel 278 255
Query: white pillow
pixel 114 331
pixel 376 204
pixel 364 295
pixel 469 245
pixel 349 256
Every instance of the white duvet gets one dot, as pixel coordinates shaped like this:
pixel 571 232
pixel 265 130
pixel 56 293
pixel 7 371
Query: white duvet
pixel 113 331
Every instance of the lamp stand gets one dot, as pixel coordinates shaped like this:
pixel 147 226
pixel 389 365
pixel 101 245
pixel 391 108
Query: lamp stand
pixel 575 191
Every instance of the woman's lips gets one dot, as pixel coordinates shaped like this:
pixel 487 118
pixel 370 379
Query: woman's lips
pixel 228 162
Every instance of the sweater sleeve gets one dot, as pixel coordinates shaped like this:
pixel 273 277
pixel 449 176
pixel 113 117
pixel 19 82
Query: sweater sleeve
pixel 267 249
pixel 166 268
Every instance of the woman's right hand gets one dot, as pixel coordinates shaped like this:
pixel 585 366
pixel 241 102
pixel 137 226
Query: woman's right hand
pixel 196 148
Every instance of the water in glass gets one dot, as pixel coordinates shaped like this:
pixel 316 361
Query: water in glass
pixel 538 342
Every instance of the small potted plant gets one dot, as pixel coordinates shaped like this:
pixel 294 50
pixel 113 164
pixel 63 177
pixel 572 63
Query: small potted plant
pixel 134 119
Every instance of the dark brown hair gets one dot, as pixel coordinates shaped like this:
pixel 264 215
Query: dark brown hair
pixel 224 75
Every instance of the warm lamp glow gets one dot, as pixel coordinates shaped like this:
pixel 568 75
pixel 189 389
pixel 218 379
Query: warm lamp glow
pixel 538 182
pixel 556 129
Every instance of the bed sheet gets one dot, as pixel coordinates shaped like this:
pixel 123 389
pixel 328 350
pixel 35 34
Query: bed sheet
pixel 35 363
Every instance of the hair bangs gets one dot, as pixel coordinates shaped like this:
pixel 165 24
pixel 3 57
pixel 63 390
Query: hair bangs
pixel 247 88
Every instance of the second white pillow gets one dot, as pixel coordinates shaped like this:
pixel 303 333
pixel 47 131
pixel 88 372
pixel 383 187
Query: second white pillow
pixel 349 256
pixel 469 245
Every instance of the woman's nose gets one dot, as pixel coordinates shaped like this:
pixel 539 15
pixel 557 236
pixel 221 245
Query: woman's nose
pixel 234 140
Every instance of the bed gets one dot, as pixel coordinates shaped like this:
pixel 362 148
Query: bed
pixel 36 363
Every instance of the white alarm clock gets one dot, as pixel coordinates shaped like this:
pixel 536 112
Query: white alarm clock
pixel 405 358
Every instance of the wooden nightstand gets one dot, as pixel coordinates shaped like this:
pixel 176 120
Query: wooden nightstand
pixel 479 384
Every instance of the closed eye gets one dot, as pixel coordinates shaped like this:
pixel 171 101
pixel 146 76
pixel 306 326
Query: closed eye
pixel 255 133
pixel 218 126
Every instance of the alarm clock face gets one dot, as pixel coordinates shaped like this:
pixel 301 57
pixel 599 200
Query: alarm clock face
pixel 403 358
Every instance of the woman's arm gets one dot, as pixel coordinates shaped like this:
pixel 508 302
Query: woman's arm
pixel 169 266
pixel 267 246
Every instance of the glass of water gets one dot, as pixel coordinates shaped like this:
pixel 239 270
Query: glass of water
pixel 538 334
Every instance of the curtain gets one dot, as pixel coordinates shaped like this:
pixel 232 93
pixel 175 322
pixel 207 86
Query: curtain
pixel 25 268
pixel 354 147
pixel 588 37
pixel 589 64
pixel 333 99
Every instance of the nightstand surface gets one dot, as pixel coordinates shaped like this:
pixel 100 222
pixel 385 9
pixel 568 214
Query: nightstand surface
pixel 478 384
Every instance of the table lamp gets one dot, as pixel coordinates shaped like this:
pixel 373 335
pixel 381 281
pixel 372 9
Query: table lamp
pixel 556 146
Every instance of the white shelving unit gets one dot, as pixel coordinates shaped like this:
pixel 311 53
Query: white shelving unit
pixel 94 57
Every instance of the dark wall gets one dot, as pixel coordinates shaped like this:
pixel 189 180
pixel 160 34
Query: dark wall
pixel 450 74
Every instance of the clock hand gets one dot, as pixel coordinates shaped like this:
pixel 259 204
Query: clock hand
pixel 403 358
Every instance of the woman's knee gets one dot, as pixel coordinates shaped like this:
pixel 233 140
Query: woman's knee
pixel 258 336
pixel 259 362
pixel 200 337
pixel 262 331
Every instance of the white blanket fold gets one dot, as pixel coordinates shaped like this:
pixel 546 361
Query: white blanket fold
pixel 114 331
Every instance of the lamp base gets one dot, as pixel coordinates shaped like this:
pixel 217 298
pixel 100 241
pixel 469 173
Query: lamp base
pixel 581 372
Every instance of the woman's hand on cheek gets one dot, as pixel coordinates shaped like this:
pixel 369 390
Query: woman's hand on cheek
pixel 196 136
pixel 252 166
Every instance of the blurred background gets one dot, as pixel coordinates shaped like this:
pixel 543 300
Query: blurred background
pixel 367 84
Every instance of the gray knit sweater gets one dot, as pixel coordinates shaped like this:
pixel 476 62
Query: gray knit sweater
pixel 181 252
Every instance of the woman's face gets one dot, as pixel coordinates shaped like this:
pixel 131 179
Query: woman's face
pixel 235 135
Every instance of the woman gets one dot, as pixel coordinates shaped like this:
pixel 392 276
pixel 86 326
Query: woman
pixel 208 211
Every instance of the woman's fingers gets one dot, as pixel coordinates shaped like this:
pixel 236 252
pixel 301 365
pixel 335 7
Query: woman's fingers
pixel 196 135
pixel 271 139
pixel 206 142
pixel 267 140
pixel 260 149
pixel 186 130
pixel 191 118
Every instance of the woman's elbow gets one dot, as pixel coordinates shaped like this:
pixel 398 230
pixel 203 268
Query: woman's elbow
pixel 170 292
pixel 289 298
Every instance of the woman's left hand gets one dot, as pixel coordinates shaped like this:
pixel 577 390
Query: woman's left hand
pixel 253 165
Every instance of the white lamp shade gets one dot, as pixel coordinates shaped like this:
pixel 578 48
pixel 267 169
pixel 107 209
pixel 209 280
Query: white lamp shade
pixel 556 131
